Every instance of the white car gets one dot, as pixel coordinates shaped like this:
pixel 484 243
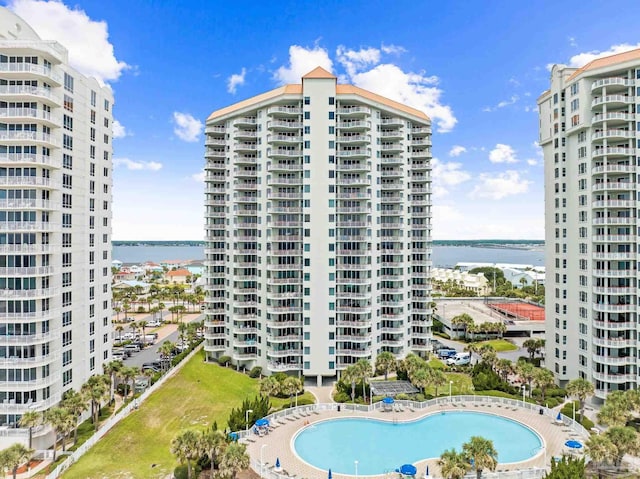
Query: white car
pixel 154 324
pixel 459 359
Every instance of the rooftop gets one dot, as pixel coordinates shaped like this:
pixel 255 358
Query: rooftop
pixel 607 61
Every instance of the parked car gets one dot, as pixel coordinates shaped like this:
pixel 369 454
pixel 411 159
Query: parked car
pixel 155 367
pixel 134 347
pixel 460 359
pixel 154 324
pixel 446 353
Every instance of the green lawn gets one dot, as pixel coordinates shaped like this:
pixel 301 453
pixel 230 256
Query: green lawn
pixel 195 397
pixel 499 345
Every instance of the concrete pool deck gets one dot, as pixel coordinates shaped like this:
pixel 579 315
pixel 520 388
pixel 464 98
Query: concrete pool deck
pixel 277 443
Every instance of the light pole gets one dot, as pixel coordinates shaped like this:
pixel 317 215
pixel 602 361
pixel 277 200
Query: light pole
pixel 574 410
pixel 523 390
pixel 356 463
pixel 246 419
pixel 450 384
pixel 261 460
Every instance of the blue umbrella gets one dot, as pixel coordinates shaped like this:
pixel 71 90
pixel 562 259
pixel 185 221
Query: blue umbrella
pixel 262 422
pixel 330 475
pixel 426 473
pixel 233 436
pixel 408 470
pixel 277 468
pixel 559 417
pixel 388 400
pixel 573 444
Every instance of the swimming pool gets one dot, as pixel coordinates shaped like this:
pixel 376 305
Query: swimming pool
pixel 382 446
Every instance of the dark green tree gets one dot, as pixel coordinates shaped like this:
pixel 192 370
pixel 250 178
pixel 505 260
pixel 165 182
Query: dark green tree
pixel 567 468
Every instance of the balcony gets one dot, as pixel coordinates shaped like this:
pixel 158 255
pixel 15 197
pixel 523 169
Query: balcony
pixel 285 338
pixel 614 238
pixel 245 147
pixel 392 121
pixel 353 139
pixel 34 271
pixel 614 255
pixel 245 160
pixel 28 226
pixel 614 221
pixel 352 195
pixel 421 130
pixel 353 110
pixel 614 326
pixel 29 70
pixel 29 114
pixel 284 324
pixel 613 151
pixel 245 134
pixel 620 83
pixel 277 180
pixel 281 152
pixel 284 111
pixel 14 92
pixel 614 168
pixel 278 366
pixel 215 153
pixel 30 203
pixel 28 137
pixel 614 204
pixel 362 181
pixel 613 100
pixel 282 353
pixel 285 125
pixel 284 139
pixel 355 152
pixel 354 125
pixel 614 308
pixel 426 153
pixel 23 159
pixel 391 147
pixel 614 378
pixel 615 361
pixel 277 166
pixel 613 117
pixel 614 343
pixel 27 248
pixel 613 134
pixel 391 160
pixel 244 121
pixel 211 141
pixel 613 186
pixel 240 356
pixel 359 353
pixel 353 166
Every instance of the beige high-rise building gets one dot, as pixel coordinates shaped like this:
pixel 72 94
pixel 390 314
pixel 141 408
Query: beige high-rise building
pixel 588 132
pixel 318 224
pixel 55 226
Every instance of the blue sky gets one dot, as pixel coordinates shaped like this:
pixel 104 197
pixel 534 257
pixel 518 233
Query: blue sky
pixel 476 67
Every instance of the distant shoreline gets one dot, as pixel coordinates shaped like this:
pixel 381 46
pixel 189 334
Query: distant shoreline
pixel 490 243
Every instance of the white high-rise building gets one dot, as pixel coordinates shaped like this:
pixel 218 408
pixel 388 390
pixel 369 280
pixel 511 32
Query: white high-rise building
pixel 55 223
pixel 318 228
pixel 588 132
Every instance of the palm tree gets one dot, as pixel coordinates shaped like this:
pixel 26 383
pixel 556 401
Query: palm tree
pixel 544 379
pixel 213 444
pixel 463 320
pixel 504 367
pixel 56 417
pixel 95 390
pixel 290 386
pixel 186 447
pixel 365 371
pixel 412 363
pixel 30 419
pixel 626 441
pixel 482 452
pixel 601 450
pixel 66 427
pixel 165 350
pixel 438 379
pixel 112 369
pixel 453 465
pixel 234 460
pixel 76 404
pixel 385 362
pixel 17 454
pixel 581 389
pixel 421 378
pixel 143 326
pixel 269 386
pixel 119 329
pixel 526 371
pixel 350 375
pixel 128 375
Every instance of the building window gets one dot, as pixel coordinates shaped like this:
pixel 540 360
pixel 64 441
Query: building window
pixel 68 83
pixel 307 100
pixel 93 98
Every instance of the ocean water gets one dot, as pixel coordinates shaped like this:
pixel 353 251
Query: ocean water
pixel 443 256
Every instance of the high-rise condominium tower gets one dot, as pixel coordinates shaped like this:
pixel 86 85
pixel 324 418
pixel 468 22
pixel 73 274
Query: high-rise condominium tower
pixel 588 133
pixel 55 223
pixel 318 224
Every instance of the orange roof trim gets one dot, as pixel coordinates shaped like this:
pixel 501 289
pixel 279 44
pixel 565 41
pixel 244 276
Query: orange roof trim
pixel 283 90
pixel 607 61
pixel 354 90
pixel 319 72
pixel 179 272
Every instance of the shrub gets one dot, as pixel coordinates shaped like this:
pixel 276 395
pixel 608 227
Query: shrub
pixel 224 360
pixel 141 309
pixel 556 392
pixel 418 397
pixel 179 357
pixel 567 410
pixel 255 372
pixel 402 397
pixel 181 472
pixel 341 397
pixel 156 377
pixel 552 402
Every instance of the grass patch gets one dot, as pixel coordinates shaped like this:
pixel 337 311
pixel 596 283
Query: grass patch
pixel 86 429
pixel 436 364
pixel 282 403
pixel 195 397
pixel 500 345
pixel 461 385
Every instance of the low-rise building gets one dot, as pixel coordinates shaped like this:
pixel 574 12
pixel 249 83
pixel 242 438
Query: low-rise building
pixel 178 276
pixel 475 282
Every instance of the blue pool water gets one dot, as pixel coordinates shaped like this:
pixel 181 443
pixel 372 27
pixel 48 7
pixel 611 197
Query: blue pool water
pixel 381 446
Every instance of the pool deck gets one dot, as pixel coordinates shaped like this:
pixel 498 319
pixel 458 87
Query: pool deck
pixel 278 440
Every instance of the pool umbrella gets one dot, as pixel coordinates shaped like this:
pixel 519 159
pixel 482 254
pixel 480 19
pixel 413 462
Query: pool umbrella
pixel 388 400
pixel 408 470
pixel 262 422
pixel 559 417
pixel 573 444
pixel 330 475
pixel 278 468
pixel 426 473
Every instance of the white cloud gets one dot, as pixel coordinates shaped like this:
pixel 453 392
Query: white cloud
pixel 186 127
pixel 532 162
pixel 199 177
pixel 457 150
pixel 572 42
pixel 119 131
pixel 87 40
pixel 417 90
pixel 137 165
pixel 392 49
pixel 355 60
pixel 500 186
pixel 446 175
pixel 301 61
pixel 502 154
pixel 582 59
pixel 236 80
pixel 363 69
pixel 502 104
